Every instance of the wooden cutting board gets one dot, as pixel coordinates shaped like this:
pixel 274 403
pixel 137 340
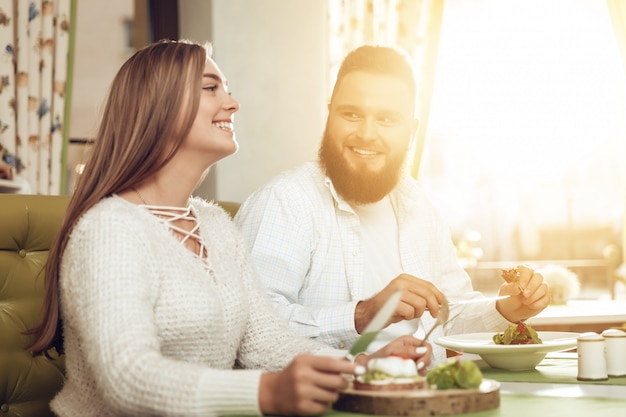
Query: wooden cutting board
pixel 421 402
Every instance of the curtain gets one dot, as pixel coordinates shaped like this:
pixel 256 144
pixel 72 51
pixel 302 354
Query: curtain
pixel 413 25
pixel 33 68
pixel 617 12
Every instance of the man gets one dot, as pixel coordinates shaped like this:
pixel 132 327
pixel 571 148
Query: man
pixel 333 238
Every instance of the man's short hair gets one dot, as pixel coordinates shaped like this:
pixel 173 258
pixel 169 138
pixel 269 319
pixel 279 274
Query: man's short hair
pixel 378 59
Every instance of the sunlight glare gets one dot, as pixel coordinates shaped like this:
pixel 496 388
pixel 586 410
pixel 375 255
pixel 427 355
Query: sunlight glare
pixel 530 87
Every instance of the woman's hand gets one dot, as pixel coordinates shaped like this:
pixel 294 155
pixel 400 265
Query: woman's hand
pixel 307 386
pixel 529 296
pixel 408 347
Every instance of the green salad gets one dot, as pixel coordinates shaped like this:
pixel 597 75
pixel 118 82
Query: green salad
pixel 455 373
pixel 517 334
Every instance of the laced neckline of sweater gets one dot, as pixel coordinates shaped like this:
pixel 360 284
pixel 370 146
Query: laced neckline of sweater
pixel 167 215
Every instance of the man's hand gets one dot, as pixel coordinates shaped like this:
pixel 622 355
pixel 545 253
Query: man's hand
pixel 529 296
pixel 307 386
pixel 417 295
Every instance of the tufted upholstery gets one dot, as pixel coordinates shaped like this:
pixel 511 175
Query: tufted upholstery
pixel 231 207
pixel 28 224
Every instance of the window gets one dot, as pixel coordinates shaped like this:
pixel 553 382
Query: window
pixel 527 137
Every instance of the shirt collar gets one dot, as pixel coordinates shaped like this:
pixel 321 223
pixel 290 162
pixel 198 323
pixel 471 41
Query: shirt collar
pixel 340 203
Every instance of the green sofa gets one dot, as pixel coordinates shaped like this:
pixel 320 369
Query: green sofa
pixel 28 224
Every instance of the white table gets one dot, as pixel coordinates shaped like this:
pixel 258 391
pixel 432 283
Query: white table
pixel 582 315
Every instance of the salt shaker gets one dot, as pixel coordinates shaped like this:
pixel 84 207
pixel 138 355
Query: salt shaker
pixel 615 344
pixel 591 357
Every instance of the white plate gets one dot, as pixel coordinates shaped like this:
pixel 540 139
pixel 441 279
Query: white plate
pixel 512 357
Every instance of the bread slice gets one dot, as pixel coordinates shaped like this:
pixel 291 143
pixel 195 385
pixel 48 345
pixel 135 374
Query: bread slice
pixel 391 385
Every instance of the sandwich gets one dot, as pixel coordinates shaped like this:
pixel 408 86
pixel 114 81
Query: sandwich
pixel 392 373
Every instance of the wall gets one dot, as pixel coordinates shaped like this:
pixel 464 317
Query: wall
pixel 273 53
pixel 102 45
pixel 101 48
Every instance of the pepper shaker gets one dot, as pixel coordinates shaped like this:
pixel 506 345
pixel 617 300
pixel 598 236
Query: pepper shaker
pixel 615 343
pixel 591 357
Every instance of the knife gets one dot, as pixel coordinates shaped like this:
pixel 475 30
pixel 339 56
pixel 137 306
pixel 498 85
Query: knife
pixel 375 325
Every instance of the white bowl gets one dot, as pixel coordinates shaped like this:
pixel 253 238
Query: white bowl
pixel 520 361
pixel 511 357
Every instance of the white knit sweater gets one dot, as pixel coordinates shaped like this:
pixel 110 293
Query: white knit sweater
pixel 148 331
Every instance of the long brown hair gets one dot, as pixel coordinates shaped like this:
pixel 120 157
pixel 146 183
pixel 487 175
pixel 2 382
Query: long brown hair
pixel 142 127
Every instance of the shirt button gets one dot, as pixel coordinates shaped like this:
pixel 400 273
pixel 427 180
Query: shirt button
pixel 355 253
pixel 342 345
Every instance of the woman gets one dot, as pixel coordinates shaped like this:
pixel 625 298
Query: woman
pixel 158 300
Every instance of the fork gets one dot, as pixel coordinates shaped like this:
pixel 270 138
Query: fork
pixel 442 318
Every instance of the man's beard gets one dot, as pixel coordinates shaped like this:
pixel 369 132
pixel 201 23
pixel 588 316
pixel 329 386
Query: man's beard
pixel 358 186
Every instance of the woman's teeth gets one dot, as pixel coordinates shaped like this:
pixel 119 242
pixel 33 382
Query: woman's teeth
pixel 224 126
